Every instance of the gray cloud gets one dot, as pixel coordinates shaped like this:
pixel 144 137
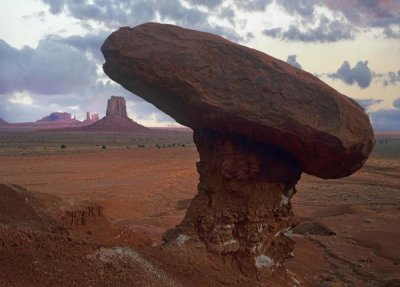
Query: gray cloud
pixel 304 8
pixel 383 119
pixel 291 59
pixel 386 119
pixel 207 3
pixel 389 33
pixel 396 103
pixel 229 14
pixel 367 13
pixel 174 10
pixel 359 74
pixel 355 15
pixel 382 14
pixel 144 111
pixel 88 43
pixel 51 68
pixel 392 78
pixel 114 13
pixel 326 31
pixel 367 103
pixel 252 5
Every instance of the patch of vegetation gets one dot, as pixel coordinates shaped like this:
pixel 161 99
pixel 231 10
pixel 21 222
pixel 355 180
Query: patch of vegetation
pixel 14 143
pixel 63 146
pixel 387 148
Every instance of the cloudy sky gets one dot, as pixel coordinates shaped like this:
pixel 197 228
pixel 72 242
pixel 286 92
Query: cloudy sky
pixel 50 56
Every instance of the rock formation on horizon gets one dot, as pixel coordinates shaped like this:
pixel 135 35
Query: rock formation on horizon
pixel 116 106
pixel 258 124
pixel 3 122
pixel 91 118
pixel 58 117
pixel 116 118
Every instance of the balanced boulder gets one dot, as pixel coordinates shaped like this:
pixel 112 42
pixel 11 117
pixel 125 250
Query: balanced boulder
pixel 258 124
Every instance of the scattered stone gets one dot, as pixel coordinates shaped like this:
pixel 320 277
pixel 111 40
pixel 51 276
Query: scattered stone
pixel 263 261
pixel 181 239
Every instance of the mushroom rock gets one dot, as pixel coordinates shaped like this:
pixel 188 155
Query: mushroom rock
pixel 258 124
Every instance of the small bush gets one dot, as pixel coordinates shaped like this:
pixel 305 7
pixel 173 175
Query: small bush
pixel 63 146
pixel 103 147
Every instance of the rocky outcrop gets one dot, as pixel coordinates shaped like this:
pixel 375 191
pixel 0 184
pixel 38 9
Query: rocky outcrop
pixel 116 106
pixel 258 124
pixel 116 119
pixel 82 215
pixel 205 81
pixel 58 117
pixel 90 118
pixel 243 204
pixel 3 123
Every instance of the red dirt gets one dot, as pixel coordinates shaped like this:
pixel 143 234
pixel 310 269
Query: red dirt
pixel 126 199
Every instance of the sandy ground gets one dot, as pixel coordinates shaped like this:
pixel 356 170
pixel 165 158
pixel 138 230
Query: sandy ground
pixel 348 232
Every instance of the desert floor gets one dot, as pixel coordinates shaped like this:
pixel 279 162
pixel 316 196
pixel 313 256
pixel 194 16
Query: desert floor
pixel 87 216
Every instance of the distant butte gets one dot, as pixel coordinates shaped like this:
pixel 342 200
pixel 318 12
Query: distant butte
pixel 116 119
pixel 58 117
pixel 3 123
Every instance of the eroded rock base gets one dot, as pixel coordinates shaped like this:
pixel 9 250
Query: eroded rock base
pixel 243 207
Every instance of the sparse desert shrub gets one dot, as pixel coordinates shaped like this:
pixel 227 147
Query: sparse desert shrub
pixel 63 146
pixel 103 146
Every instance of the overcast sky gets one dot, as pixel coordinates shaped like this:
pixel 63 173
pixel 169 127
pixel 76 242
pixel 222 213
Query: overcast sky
pixel 50 57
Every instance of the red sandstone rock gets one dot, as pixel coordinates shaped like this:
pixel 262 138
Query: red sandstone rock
pixel 205 81
pixel 258 123
pixel 58 117
pixel 116 106
pixel 116 119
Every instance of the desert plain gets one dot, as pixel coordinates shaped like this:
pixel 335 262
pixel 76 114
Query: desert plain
pixel 82 209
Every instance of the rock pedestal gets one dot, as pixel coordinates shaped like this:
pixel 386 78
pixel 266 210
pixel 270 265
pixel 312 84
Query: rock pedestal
pixel 243 202
pixel 258 124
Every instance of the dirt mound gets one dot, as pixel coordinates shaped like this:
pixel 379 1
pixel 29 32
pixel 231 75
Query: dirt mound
pixel 46 242
pixel 19 208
